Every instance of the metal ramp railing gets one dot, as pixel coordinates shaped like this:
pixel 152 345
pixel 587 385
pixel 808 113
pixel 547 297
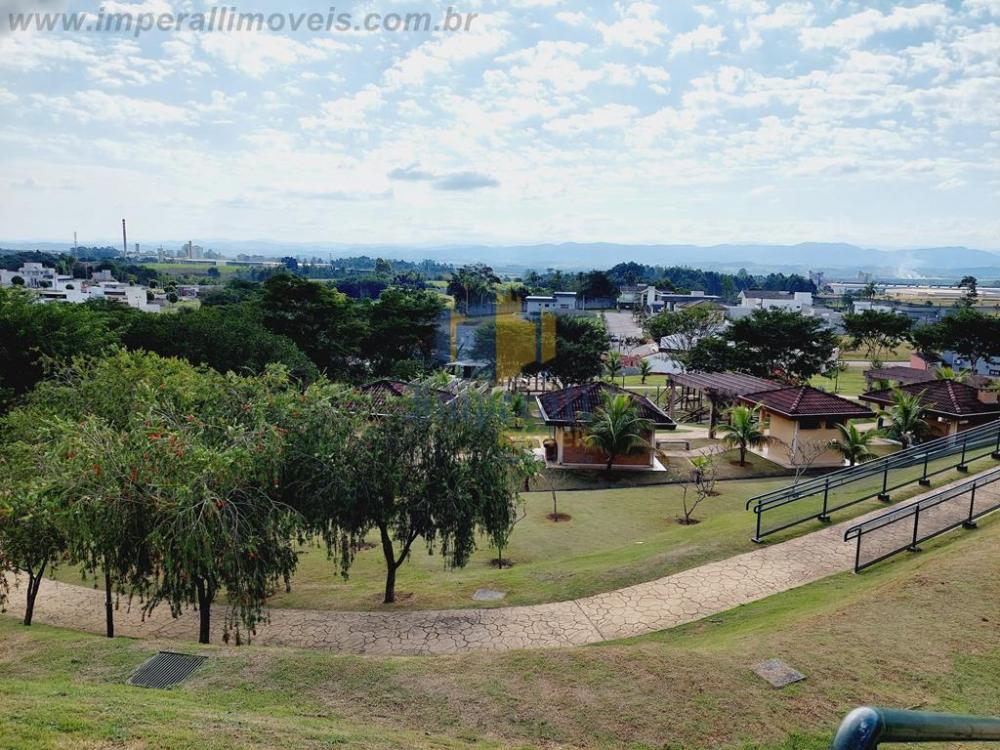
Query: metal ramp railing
pixel 817 498
pixel 904 528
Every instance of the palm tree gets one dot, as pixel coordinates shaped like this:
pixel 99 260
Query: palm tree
pixel 518 408
pixel 906 416
pixel 645 369
pixel 853 444
pixel 743 430
pixel 950 373
pixel 613 365
pixel 616 427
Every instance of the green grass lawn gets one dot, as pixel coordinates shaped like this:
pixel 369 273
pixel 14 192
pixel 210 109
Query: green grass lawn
pixel 850 383
pixel 918 631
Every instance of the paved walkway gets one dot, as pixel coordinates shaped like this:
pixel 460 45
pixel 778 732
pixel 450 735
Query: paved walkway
pixel 643 608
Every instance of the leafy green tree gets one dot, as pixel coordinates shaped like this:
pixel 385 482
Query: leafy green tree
pixel 685 328
pixel 323 323
pixel 219 525
pixel 907 418
pixel 877 332
pixel 88 428
pixel 415 470
pixel 771 344
pixel 970 333
pixel 228 338
pixel 743 430
pixel 616 428
pixel 402 325
pixel 31 541
pixel 580 346
pixel 853 444
pixel 473 285
pixel 971 284
pixel 34 337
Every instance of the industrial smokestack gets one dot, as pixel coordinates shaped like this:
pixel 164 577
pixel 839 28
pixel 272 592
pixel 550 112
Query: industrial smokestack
pixel 124 240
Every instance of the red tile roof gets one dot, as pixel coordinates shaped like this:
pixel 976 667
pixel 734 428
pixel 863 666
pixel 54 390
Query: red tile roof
pixel 944 397
pixel 563 407
pixel 806 401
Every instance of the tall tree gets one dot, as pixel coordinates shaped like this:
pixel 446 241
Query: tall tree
pixel 31 541
pixel 970 333
pixel 877 332
pixel 34 336
pixel 971 285
pixel 772 343
pixel 684 328
pixel 324 323
pixel 402 325
pixel 473 285
pixel 580 346
pixel 414 470
pixel 229 338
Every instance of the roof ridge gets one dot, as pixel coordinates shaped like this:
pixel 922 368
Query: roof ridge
pixel 798 399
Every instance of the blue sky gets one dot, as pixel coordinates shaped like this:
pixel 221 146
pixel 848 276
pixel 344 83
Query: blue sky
pixel 549 120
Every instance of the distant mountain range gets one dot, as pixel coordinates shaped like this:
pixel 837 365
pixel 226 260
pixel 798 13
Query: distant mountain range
pixel 834 258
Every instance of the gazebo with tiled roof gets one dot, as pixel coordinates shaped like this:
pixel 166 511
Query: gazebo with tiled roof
pixel 801 422
pixel 950 406
pixel 568 411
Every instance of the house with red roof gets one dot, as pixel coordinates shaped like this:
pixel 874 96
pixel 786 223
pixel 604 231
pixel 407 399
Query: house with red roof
pixel 800 423
pixel 951 407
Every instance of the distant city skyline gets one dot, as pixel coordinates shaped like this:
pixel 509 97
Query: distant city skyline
pixel 738 121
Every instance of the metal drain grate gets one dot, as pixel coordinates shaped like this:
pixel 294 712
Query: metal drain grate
pixel 165 669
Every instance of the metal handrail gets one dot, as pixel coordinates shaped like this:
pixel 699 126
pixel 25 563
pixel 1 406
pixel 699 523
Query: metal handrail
pixel 866 728
pixel 915 513
pixel 908 457
pixel 936 457
pixel 898 514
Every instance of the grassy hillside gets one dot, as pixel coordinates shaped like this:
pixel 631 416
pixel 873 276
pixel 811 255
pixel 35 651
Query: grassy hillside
pixel 923 631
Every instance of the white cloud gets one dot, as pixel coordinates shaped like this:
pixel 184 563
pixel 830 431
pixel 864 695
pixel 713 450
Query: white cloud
pixel 7 97
pixel 856 29
pixel 438 56
pixel 257 53
pixel 637 27
pixel 608 117
pixel 346 113
pixel 704 39
pixel 99 106
pixel 575 18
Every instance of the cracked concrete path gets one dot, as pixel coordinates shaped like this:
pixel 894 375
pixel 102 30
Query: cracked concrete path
pixel 644 608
